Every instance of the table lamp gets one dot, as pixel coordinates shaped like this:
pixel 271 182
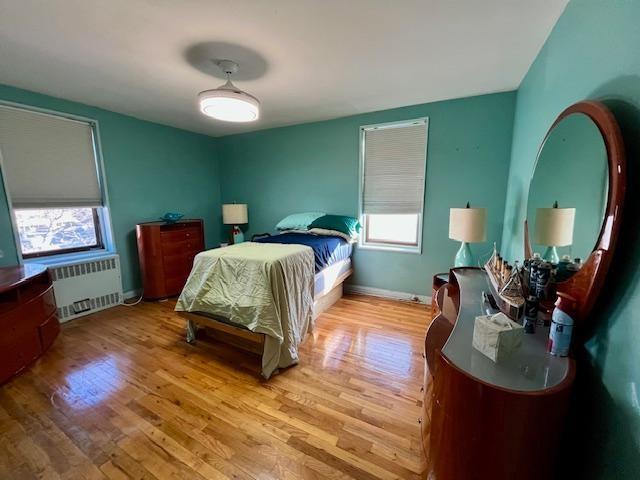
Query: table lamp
pixel 235 214
pixel 467 225
pixel 554 228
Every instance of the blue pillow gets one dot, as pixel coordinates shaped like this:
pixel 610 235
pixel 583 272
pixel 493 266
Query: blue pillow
pixel 298 221
pixel 347 225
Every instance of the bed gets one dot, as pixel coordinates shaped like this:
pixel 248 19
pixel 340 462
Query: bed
pixel 264 296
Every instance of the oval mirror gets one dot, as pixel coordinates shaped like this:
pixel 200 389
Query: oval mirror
pixel 572 172
pixel 576 196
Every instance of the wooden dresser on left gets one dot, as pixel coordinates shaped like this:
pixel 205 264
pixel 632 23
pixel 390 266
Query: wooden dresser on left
pixel 166 252
pixel 28 320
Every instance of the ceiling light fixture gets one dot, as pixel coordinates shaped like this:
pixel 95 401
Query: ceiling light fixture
pixel 228 102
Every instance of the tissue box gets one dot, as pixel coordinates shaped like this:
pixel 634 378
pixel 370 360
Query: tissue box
pixel 496 336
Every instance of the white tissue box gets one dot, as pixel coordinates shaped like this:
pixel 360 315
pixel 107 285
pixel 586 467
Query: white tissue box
pixel 496 336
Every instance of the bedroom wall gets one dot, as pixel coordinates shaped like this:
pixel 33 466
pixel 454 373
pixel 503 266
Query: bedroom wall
pixel 592 53
pixel 315 166
pixel 150 169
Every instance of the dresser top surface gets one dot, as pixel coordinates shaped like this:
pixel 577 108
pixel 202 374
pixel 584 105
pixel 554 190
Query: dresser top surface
pixel 12 277
pixel 180 223
pixel 530 368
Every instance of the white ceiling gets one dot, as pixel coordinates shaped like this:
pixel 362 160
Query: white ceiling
pixel 313 59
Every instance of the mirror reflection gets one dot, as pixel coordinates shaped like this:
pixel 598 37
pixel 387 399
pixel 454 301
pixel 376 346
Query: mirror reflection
pixel 572 173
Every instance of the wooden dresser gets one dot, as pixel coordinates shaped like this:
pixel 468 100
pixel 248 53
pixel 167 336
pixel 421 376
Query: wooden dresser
pixel 483 419
pixel 28 321
pixel 166 252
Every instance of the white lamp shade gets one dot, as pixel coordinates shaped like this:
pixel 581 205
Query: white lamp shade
pixel 554 226
pixel 234 214
pixel 468 224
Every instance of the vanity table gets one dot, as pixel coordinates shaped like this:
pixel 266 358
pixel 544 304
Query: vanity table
pixel 484 419
pixel 505 420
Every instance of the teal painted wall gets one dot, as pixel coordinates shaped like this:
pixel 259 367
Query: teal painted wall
pixel 315 167
pixel 150 169
pixel 592 53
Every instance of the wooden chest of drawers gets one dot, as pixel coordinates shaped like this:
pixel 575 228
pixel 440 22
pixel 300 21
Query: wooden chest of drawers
pixel 166 252
pixel 28 321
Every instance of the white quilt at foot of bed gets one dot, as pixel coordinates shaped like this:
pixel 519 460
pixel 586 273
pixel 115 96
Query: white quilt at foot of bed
pixel 267 288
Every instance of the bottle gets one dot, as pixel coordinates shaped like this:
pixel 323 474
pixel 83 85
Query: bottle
pixel 562 272
pixel 562 325
pixel 530 314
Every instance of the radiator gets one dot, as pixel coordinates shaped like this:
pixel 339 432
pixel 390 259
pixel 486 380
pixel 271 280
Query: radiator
pixel 86 287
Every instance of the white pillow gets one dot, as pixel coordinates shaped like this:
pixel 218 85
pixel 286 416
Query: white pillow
pixel 333 233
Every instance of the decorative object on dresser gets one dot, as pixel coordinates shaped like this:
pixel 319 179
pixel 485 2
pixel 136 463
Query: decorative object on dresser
pixel 171 217
pixel 235 214
pixel 28 321
pixel 467 225
pixel 505 285
pixel 166 252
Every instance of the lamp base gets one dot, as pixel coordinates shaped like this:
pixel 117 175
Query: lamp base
pixel 237 235
pixel 464 257
pixel 551 255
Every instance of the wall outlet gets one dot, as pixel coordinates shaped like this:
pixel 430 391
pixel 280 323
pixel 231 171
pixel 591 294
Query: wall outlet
pixel 1 253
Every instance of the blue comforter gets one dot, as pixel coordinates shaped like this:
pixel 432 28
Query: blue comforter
pixel 326 249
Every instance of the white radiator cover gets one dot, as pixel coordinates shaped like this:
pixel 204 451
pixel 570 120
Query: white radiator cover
pixel 86 287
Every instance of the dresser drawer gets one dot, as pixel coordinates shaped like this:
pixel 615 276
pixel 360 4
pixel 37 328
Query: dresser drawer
pixel 18 351
pixel 177 264
pixel 184 247
pixel 28 315
pixel 174 285
pixel 178 235
pixel 48 331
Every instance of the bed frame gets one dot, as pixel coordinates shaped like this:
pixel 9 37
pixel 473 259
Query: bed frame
pixel 246 339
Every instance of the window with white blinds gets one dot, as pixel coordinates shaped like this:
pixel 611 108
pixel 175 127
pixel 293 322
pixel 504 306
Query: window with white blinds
pixel 393 168
pixel 50 168
pixel 48 160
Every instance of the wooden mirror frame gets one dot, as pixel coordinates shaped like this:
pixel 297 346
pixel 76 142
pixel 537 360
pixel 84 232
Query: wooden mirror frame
pixel 586 284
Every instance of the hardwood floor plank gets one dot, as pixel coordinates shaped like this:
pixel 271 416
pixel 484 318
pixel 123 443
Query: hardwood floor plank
pixel 121 395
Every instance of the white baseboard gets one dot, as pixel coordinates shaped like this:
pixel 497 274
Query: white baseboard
pixel 132 293
pixel 393 295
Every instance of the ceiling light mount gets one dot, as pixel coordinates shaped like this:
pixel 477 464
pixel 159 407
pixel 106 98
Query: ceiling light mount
pixel 227 66
pixel 227 102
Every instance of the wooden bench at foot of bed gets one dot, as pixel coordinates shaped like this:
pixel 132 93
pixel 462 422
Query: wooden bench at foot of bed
pixel 246 339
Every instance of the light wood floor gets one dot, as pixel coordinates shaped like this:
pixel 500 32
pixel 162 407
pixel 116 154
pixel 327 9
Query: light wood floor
pixel 122 395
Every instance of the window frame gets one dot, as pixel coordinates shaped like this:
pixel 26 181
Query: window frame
pixel 363 241
pixel 101 213
pixel 99 245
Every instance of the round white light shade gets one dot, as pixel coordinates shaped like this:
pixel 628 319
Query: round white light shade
pixel 554 226
pixel 229 105
pixel 234 214
pixel 468 224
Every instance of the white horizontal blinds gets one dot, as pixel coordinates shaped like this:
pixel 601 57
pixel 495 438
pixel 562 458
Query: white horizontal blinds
pixel 49 161
pixel 394 168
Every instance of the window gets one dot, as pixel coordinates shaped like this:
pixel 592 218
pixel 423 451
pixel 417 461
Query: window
pixel 393 166
pixel 50 168
pixel 49 231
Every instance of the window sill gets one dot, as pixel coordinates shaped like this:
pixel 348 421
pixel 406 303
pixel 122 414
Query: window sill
pixel 390 248
pixel 68 258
